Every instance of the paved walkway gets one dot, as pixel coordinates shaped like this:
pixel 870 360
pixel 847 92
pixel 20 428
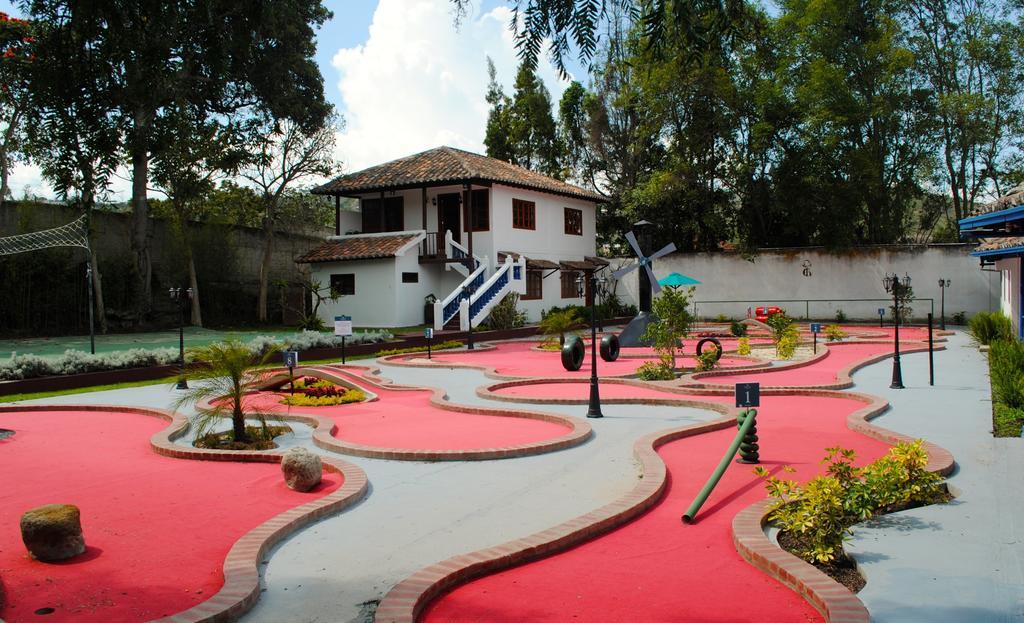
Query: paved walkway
pixel 958 562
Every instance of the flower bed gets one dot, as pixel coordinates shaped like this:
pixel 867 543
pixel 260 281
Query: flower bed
pixel 311 392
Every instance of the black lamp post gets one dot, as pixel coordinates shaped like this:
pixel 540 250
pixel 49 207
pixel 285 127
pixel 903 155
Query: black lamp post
pixel 943 284
pixel 183 296
pixel 594 406
pixel 892 284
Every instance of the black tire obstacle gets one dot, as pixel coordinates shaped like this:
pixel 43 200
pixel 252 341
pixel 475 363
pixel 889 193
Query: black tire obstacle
pixel 573 353
pixel 709 340
pixel 610 347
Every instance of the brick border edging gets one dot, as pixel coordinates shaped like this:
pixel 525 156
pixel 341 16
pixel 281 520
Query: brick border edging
pixel 844 377
pixel 241 586
pixel 407 599
pixel 830 598
pixel 324 427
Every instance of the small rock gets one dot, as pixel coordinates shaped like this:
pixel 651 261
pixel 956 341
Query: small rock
pixel 53 532
pixel 302 469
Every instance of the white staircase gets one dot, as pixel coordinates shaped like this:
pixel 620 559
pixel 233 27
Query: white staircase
pixel 484 292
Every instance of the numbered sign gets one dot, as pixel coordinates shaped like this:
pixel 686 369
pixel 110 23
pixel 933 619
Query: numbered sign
pixel 343 325
pixel 428 333
pixel 748 394
pixel 815 327
pixel 291 358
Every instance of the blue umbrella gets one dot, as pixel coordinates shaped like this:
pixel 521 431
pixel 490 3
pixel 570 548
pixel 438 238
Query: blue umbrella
pixel 675 280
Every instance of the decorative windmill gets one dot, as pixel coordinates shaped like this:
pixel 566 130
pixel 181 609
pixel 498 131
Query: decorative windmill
pixel 630 336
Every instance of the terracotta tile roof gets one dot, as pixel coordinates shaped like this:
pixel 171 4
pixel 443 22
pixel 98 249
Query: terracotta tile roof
pixel 994 244
pixel 444 166
pixel 530 262
pixel 1013 198
pixel 357 248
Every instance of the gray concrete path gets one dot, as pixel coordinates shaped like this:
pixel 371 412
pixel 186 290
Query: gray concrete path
pixel 961 562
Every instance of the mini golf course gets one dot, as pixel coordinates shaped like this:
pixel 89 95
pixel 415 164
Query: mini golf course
pixel 631 560
pixel 139 564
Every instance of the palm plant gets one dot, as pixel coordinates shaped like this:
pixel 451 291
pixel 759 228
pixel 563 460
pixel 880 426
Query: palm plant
pixel 561 322
pixel 225 374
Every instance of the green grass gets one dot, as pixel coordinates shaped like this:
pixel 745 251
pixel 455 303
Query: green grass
pixel 85 390
pixel 1006 420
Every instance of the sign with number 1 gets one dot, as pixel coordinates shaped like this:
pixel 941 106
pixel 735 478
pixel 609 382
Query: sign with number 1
pixel 748 394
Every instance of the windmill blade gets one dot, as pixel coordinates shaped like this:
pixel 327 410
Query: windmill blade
pixel 655 286
pixel 622 272
pixel 668 248
pixel 631 239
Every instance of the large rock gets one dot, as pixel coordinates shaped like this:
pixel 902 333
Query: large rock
pixel 53 532
pixel 302 469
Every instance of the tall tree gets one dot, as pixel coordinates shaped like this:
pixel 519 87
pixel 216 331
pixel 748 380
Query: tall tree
pixel 15 55
pixel 864 120
pixel 522 129
pixel 497 137
pixel 219 55
pixel 73 137
pixel 195 152
pixel 287 155
pixel 969 57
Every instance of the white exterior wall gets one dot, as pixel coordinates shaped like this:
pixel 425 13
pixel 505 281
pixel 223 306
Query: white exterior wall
pixel 1010 291
pixel 548 241
pixel 775 275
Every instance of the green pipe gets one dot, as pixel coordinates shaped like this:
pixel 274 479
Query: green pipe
pixel 709 486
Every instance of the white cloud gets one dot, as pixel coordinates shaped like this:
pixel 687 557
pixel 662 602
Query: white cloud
pixel 419 83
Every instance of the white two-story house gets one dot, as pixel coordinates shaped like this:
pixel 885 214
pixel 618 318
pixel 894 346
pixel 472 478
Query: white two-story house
pixel 420 220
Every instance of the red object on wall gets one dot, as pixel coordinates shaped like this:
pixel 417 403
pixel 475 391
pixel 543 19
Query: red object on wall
pixel 762 313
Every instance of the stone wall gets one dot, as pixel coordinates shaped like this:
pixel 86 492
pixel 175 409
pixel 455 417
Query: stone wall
pixel 227 258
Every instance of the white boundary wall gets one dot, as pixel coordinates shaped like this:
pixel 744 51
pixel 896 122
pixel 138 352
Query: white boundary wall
pixel 776 275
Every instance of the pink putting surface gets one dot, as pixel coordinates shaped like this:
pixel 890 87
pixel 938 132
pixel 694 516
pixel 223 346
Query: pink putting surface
pixel 658 569
pixel 581 391
pixel 519 359
pixel 407 420
pixel 823 372
pixel 157 529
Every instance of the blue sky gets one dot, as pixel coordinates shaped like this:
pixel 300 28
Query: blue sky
pixel 402 76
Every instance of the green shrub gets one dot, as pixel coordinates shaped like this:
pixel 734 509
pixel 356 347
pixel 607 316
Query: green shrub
pixel 988 327
pixel 743 346
pixel 960 318
pixel 656 371
pixel 1006 420
pixel 834 333
pixel 840 315
pixel 1006 371
pixel 823 509
pixel 708 360
pixel 506 315
pixel 737 328
pixel 671 309
pixel 786 347
pixel 561 321
pixel 722 318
